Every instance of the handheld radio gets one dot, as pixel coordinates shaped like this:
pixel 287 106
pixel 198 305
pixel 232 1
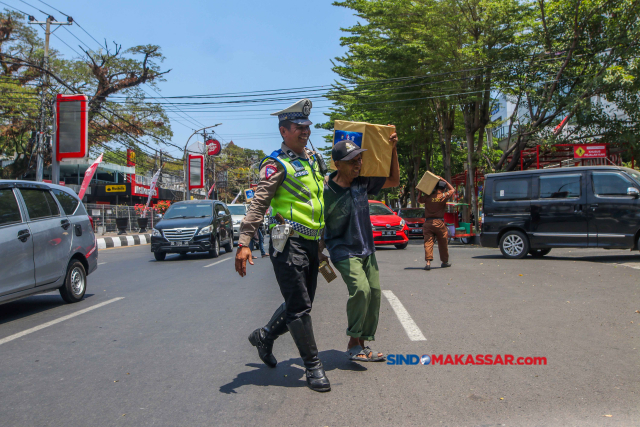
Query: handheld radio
pixel 321 164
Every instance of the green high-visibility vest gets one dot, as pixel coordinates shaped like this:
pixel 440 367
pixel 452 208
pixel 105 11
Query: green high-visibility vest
pixel 299 198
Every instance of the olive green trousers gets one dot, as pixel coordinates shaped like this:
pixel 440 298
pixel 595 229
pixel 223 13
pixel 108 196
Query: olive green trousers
pixel 363 307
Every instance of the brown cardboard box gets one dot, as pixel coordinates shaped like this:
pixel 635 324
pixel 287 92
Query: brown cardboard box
pixel 427 183
pixel 376 161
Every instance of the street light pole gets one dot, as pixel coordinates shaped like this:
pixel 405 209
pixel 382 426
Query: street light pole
pixel 41 139
pixel 187 192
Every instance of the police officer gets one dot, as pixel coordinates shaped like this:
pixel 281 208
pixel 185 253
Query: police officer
pixel 292 183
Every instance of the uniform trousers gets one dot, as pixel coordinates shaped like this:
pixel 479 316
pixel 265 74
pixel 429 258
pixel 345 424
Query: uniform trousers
pixel 435 229
pixel 296 269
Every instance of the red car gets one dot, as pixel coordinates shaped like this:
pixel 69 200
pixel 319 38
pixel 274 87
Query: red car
pixel 414 217
pixel 388 227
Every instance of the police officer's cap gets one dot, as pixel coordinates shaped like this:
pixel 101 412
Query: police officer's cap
pixel 297 113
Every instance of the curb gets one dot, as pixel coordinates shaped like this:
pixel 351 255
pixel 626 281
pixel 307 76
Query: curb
pixel 117 241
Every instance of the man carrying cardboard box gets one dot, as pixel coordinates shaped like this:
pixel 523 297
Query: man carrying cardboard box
pixel 349 238
pixel 434 227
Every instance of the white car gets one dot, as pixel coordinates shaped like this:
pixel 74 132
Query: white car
pixel 238 212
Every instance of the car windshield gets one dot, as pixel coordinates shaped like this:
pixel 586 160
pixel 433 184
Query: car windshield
pixel 237 210
pixel 188 211
pixel 412 213
pixel 634 174
pixel 379 209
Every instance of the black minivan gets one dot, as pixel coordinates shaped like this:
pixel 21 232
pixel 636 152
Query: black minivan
pixel 193 226
pixel 531 212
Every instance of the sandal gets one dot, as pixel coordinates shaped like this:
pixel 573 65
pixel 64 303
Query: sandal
pixel 355 351
pixel 373 355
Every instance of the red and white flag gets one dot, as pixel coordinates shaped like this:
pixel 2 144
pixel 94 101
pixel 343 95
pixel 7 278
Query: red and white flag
pixel 211 189
pixel 88 175
pixel 560 125
pixel 152 188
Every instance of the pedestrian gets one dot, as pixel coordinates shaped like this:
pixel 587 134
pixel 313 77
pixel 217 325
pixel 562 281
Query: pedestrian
pixel 291 182
pixel 434 227
pixel 349 238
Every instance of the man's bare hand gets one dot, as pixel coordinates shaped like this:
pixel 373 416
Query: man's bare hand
pixel 322 257
pixel 242 256
pixel 393 139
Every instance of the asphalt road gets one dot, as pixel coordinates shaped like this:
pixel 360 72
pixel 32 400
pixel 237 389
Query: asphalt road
pixel 173 349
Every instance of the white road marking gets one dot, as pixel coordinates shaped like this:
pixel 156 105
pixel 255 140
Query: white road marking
pixel 410 327
pixel 635 265
pixel 143 239
pixel 53 322
pixel 116 242
pixel 217 262
pixel 101 263
pixel 130 241
pixel 102 244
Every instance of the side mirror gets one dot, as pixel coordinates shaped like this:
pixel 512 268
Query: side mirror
pixel 632 191
pixel 395 213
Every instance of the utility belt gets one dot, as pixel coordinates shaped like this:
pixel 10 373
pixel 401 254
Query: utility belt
pixel 300 230
pixel 286 229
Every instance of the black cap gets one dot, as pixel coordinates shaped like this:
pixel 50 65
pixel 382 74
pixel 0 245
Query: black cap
pixel 345 150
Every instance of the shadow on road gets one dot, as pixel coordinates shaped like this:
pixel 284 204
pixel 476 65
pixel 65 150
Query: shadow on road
pixel 288 375
pixel 29 306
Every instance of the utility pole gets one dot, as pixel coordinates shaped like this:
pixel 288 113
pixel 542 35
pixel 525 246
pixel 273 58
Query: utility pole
pixel 41 139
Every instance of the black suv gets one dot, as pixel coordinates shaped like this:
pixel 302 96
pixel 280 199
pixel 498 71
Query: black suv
pixel 193 226
pixel 535 211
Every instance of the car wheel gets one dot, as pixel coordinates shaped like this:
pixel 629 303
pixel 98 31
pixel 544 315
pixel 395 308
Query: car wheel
pixel 75 282
pixel 160 256
pixel 402 246
pixel 514 244
pixel 465 240
pixel 228 248
pixel 215 252
pixel 539 253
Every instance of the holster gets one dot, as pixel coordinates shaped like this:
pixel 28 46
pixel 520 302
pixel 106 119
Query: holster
pixel 279 236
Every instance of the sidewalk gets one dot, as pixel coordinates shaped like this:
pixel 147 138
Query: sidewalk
pixel 113 240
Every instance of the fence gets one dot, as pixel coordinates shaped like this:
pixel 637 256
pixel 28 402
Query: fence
pixel 104 218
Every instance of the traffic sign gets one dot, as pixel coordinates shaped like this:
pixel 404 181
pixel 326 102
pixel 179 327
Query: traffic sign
pixel 213 147
pixel 589 151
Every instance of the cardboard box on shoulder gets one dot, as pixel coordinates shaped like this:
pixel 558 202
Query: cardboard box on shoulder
pixel 376 161
pixel 427 183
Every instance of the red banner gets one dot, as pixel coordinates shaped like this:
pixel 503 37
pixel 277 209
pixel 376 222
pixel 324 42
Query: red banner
pixel 589 151
pixel 211 189
pixel 88 175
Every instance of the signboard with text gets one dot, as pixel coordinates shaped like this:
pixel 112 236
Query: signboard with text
pixel 143 190
pixel 196 171
pixel 588 151
pixel 213 147
pixel 72 128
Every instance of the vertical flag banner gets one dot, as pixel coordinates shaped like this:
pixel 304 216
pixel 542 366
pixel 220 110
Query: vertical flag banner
pixel 88 175
pixel 211 189
pixel 152 189
pixel 236 199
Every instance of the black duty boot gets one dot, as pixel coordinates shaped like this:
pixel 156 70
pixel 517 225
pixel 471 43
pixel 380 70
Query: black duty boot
pixel 263 338
pixel 302 332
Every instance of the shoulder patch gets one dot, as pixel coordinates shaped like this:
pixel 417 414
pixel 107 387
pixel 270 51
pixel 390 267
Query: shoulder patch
pixel 269 171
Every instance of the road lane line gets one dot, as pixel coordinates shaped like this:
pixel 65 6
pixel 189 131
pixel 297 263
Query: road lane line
pixel 410 327
pixel 217 262
pixel 53 322
pixel 101 263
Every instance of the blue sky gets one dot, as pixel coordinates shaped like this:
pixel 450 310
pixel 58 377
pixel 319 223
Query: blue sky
pixel 220 47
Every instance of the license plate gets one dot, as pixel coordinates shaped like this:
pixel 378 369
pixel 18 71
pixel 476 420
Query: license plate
pixel 388 233
pixel 179 243
pixel 416 231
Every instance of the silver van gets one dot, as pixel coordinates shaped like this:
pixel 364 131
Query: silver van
pixel 46 241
